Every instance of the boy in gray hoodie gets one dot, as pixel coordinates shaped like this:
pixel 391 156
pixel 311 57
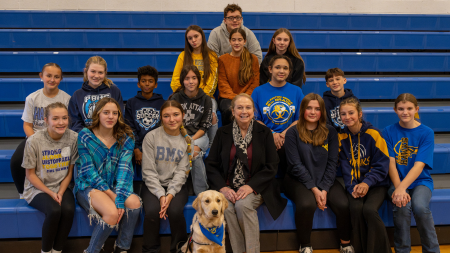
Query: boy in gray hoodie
pixel 219 39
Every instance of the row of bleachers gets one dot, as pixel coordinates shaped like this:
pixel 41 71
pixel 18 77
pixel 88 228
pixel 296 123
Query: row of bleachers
pixel 436 117
pixel 24 221
pixel 129 61
pixel 17 89
pixel 157 39
pixel 210 20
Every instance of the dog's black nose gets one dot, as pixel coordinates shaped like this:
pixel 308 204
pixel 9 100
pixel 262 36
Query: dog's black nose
pixel 215 212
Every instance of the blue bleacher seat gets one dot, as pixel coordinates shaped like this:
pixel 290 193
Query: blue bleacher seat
pixel 174 39
pixel 441 161
pixel 71 61
pixel 210 20
pixel 17 89
pixel 26 222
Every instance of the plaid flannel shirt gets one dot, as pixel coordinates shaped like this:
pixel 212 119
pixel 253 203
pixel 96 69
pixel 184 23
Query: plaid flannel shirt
pixel 102 168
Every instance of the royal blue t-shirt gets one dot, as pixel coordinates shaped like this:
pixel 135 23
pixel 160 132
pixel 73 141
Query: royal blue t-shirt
pixel 277 107
pixel 408 146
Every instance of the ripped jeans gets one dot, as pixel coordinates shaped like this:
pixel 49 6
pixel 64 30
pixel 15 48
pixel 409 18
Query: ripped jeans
pixel 102 230
pixel 213 129
pixel 198 172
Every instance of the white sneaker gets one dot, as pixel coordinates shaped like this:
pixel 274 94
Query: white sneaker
pixel 20 196
pixel 348 249
pixel 306 250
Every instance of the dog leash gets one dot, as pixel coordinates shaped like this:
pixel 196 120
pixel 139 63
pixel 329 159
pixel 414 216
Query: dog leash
pixel 190 240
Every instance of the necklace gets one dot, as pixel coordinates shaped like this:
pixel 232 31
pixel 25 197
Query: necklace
pixel 103 138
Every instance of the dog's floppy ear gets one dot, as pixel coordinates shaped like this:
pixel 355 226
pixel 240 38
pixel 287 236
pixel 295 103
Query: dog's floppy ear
pixel 197 205
pixel 224 202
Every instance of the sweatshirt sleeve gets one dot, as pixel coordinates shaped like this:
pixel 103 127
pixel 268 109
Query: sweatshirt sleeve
pixel 206 120
pixel 264 74
pixel 179 175
pixel 149 172
pixel 75 115
pixel 346 168
pixel 330 170
pixel 124 173
pixel 297 168
pixel 258 111
pixel 175 83
pixel 118 98
pixel 211 83
pixel 225 90
pixel 379 165
pixel 87 171
pixel 253 46
pixel 213 42
pixel 297 75
pixel 27 115
pixel 254 81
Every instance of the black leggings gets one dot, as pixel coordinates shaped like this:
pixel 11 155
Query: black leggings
pixel 224 107
pixel 369 232
pixel 151 221
pixel 58 219
pixel 17 172
pixel 305 203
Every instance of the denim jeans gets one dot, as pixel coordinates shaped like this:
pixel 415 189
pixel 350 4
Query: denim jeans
pixel 102 229
pixel 198 166
pixel 420 206
pixel 213 129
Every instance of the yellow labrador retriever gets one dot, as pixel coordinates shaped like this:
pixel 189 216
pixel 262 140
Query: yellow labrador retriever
pixel 208 222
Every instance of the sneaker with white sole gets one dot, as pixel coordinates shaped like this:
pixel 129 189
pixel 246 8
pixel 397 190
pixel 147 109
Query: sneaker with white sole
pixel 347 249
pixel 306 250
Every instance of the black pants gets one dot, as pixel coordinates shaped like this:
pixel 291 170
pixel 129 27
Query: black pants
pixel 58 219
pixel 305 203
pixel 364 215
pixel 151 221
pixel 17 172
pixel 225 110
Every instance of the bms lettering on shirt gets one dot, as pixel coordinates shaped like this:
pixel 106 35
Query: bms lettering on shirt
pixel 147 117
pixel 336 117
pixel 279 110
pixel 89 103
pixel 191 110
pixel 166 154
pixel 363 160
pixel 38 117
pixel 55 160
pixel 404 151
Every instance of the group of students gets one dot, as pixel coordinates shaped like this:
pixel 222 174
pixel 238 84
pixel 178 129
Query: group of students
pixel 271 132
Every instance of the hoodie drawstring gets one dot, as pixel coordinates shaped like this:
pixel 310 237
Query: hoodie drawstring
pixel 355 171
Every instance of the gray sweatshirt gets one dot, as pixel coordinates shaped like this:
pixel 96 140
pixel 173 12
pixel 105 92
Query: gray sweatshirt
pixel 219 41
pixel 164 162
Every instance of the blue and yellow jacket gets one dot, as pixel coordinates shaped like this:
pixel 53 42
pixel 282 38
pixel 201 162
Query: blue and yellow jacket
pixel 364 157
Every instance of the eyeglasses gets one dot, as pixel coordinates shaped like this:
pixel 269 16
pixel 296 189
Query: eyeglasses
pixel 237 18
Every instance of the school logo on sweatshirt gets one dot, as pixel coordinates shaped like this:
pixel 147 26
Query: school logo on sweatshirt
pixel 147 117
pixel 336 117
pixel 404 151
pixel 38 117
pixel 279 109
pixel 89 103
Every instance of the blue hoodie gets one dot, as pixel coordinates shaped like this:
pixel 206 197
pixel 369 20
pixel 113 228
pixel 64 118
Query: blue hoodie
pixel 364 157
pixel 82 103
pixel 332 104
pixel 142 115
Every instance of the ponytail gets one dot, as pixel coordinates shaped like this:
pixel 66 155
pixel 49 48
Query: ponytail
pixel 189 148
pixel 245 67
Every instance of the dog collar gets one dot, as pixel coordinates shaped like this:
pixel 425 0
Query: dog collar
pixel 214 234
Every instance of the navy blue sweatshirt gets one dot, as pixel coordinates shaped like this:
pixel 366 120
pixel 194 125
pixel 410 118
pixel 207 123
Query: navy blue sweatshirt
pixel 142 115
pixel 82 103
pixel 373 159
pixel 332 107
pixel 314 166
